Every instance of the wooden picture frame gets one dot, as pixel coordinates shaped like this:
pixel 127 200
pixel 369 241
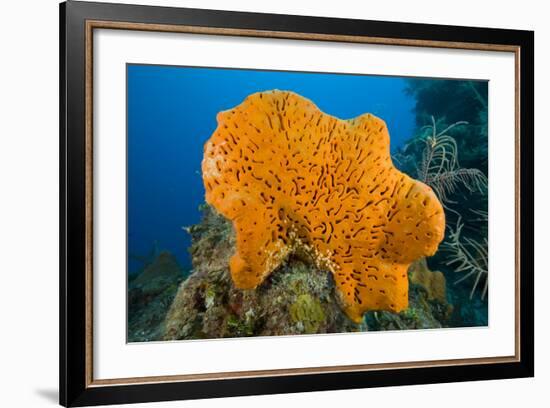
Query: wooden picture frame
pixel 78 20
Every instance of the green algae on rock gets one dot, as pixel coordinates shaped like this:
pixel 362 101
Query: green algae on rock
pixel 308 312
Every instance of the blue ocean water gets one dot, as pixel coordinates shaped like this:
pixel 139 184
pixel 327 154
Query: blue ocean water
pixel 172 112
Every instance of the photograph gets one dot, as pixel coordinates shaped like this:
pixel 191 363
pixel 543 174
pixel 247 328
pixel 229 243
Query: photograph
pixel 281 203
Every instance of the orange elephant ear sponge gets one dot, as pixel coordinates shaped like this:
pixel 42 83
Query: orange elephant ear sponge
pixel 294 180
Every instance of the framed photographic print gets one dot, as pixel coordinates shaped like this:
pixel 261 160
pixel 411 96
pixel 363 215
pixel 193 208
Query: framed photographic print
pixel 256 203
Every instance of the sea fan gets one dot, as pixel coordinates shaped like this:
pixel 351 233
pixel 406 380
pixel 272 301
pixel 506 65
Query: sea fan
pixel 482 214
pixel 469 256
pixel 439 167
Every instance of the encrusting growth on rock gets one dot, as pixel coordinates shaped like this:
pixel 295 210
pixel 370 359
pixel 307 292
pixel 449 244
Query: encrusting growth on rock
pixel 294 180
pixel 433 282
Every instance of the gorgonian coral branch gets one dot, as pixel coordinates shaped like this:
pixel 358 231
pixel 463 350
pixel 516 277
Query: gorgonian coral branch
pixel 439 167
pixel 468 256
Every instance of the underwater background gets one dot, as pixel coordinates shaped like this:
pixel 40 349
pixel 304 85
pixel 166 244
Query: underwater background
pixel 171 113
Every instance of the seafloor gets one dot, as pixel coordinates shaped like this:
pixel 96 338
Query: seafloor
pixel 297 298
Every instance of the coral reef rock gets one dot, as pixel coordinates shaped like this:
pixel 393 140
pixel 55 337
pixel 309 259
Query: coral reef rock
pixel 432 281
pixel 150 295
pixel 295 181
pixel 298 298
